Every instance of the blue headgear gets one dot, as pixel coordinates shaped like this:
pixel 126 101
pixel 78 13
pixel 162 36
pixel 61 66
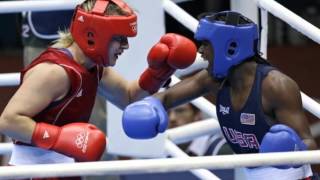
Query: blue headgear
pixel 233 41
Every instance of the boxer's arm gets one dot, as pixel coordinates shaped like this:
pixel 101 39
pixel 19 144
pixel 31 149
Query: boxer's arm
pixel 41 85
pixel 121 92
pixel 118 90
pixel 283 95
pixel 146 118
pixel 172 52
pixel 188 89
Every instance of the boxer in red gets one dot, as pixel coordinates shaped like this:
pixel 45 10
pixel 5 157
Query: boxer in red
pixel 48 115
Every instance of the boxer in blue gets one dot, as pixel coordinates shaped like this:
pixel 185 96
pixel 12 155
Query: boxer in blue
pixel 258 107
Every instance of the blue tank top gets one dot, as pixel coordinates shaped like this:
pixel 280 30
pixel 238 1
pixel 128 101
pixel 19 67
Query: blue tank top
pixel 244 129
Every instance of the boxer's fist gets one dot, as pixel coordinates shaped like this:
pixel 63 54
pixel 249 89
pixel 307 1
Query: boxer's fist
pixel 144 119
pixel 281 138
pixel 172 52
pixel 82 141
pixel 182 51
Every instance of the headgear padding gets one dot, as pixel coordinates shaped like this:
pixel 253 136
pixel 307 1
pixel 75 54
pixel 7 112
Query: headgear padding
pixel 93 30
pixel 233 38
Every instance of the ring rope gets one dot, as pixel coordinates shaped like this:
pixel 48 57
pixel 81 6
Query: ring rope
pixel 160 165
pixel 174 151
pixel 290 18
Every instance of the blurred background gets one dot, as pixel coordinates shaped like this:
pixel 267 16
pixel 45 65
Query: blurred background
pixel 288 50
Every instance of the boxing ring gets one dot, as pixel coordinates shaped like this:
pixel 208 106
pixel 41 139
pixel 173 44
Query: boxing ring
pixel 180 161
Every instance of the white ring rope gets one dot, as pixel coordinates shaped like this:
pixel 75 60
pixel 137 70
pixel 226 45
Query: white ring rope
pixel 37 5
pixel 180 15
pixel 175 151
pixel 188 132
pixel 9 79
pixel 264 33
pixel 310 104
pixel 315 129
pixel 160 165
pixel 290 18
pixel 5 148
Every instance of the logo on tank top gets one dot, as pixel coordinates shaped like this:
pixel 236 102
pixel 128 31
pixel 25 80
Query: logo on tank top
pixel 244 140
pixel 248 119
pixel 224 110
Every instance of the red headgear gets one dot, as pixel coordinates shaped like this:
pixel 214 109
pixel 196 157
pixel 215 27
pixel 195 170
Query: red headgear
pixel 93 30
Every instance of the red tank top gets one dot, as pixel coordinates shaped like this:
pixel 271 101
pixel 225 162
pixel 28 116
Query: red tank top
pixel 77 105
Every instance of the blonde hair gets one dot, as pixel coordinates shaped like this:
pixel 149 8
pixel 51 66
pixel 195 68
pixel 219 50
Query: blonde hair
pixel 65 38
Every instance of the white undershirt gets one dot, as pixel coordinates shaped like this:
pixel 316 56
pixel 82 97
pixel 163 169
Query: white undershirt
pixel 22 155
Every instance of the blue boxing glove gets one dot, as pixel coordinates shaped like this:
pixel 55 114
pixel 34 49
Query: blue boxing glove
pixel 282 138
pixel 144 119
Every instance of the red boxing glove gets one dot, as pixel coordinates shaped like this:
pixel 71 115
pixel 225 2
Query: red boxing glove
pixel 172 52
pixel 82 141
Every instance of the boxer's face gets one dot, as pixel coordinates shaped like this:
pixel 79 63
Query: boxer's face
pixel 181 115
pixel 117 45
pixel 206 52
